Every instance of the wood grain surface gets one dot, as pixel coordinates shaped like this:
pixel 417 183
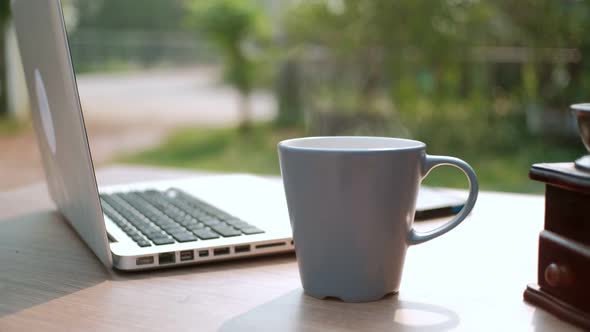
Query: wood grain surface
pixel 471 279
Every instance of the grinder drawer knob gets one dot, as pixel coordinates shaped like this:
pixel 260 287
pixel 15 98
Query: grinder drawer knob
pixel 558 275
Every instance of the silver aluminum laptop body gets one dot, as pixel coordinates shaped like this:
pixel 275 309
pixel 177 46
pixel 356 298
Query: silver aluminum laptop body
pixel 59 125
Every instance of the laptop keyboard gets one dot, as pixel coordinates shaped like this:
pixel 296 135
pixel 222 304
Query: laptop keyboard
pixel 154 217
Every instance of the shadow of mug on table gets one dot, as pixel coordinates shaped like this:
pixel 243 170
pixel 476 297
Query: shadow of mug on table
pixel 351 203
pixel 296 312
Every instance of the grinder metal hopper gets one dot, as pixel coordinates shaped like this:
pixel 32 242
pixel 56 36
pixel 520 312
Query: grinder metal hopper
pixel 582 112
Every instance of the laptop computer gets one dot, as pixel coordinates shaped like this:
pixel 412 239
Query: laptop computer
pixel 149 224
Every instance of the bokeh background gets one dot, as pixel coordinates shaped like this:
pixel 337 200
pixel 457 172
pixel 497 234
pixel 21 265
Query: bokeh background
pixel 215 84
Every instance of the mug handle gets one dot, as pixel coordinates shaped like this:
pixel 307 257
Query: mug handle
pixel 431 162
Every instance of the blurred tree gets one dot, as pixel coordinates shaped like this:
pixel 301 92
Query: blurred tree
pixel 401 43
pixel 4 18
pixel 540 26
pixel 288 91
pixel 233 26
pixel 390 42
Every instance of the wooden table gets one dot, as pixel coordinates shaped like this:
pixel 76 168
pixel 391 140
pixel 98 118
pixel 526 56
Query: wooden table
pixel 471 279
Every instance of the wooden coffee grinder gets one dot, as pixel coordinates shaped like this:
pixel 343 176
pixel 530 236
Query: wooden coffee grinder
pixel 563 285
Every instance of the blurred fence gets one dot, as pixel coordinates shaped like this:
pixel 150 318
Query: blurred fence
pixel 489 80
pixel 104 50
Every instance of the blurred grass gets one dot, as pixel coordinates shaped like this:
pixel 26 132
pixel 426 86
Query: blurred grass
pixel 228 150
pixel 494 140
pixel 10 126
pixel 504 171
pixel 107 66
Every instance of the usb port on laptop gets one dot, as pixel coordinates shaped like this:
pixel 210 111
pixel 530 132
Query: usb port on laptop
pixel 220 251
pixel 166 258
pixel 242 248
pixel 187 255
pixel 144 260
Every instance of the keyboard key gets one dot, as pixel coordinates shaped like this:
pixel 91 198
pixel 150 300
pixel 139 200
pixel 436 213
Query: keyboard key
pixel 214 223
pixel 127 228
pixel 186 217
pixel 152 231
pixel 197 214
pixel 226 231
pixel 252 230
pixel 159 236
pixel 136 237
pixel 174 228
pixel 238 223
pixel 196 226
pixel 144 243
pixel 205 234
pixel 185 237
pixel 187 223
pixel 178 231
pixel 162 241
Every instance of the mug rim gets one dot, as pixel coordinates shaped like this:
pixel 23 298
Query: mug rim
pixel 412 144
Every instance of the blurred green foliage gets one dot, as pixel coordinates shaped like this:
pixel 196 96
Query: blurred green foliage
pixel 233 26
pixel 450 49
pixel 4 17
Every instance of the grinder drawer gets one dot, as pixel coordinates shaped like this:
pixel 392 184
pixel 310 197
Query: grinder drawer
pixel 567 213
pixel 564 269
